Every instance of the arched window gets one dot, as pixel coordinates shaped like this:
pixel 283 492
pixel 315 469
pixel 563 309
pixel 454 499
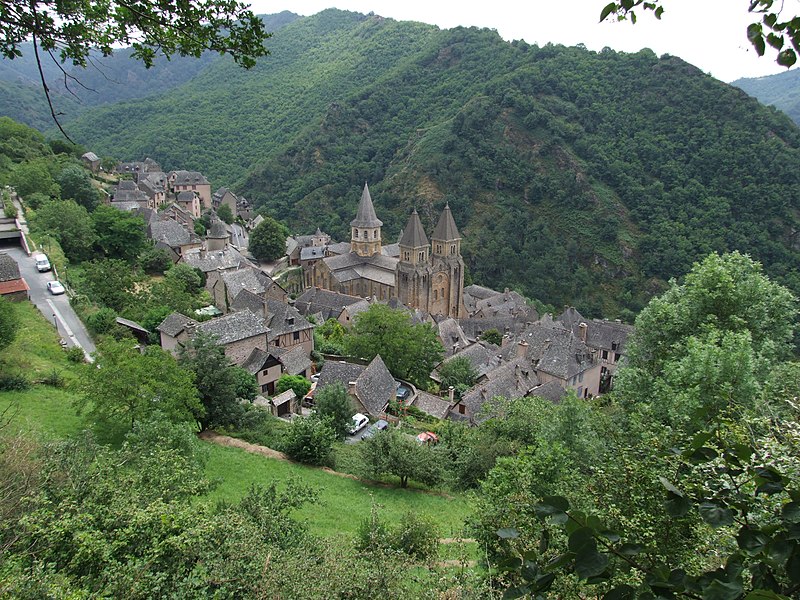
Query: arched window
pixel 355 234
pixel 375 235
pixel 453 249
pixel 435 294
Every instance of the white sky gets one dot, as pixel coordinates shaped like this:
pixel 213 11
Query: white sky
pixel 710 34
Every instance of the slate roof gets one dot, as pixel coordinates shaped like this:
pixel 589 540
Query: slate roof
pixel 473 328
pixel 343 372
pixel 312 253
pixel 129 206
pixel 128 191
pixel 174 324
pixel 186 196
pixel 515 379
pixel 218 230
pixel 230 258
pixel 376 386
pixel 284 397
pixel 414 235
pixel 247 278
pixel 90 156
pixel 391 250
pixel 255 361
pixel 550 391
pixel 246 299
pixel 365 216
pixel 451 334
pixel 234 327
pixel 315 300
pixel 171 233
pixel 9 269
pixel 556 351
pixel 432 405
pixel 347 267
pixel 446 229
pixel 189 178
pixel 283 319
pixel 600 334
pixel 295 361
pixel 483 356
pixel 339 248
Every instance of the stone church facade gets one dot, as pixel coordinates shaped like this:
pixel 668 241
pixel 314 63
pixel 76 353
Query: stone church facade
pixel 428 276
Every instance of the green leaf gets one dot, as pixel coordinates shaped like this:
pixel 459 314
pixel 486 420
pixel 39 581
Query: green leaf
pixel 560 560
pixel 720 590
pixel 776 41
pixel 790 513
pixel 529 570
pixel 630 549
pixel 780 549
pixel 607 10
pixel 589 562
pixel 715 515
pixel 621 592
pixel 659 12
pixel 787 58
pixel 670 487
pixel 544 582
pixel 793 566
pixel 508 533
pixel 756 38
pixel 751 541
pixel 581 538
pixel 676 505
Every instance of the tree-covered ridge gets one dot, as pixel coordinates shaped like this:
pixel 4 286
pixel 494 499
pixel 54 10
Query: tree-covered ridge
pixel 577 177
pixel 781 91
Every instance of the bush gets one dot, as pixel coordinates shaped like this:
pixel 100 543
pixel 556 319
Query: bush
pixel 75 354
pixel 298 383
pixel 155 261
pixel 14 382
pixel 310 441
pixel 102 322
pixel 414 536
pixel 54 378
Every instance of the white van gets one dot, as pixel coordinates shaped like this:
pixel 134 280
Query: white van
pixel 42 264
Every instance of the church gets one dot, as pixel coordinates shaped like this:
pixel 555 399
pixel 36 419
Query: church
pixel 428 276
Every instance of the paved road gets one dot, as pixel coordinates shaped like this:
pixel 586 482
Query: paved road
pixel 56 309
pixel 238 236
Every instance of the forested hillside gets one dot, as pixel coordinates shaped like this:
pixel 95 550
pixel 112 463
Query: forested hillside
pixel 781 91
pixel 575 176
pixel 106 80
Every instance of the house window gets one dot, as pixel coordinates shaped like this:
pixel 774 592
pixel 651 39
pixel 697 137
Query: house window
pixel 462 410
pixel 264 372
pixel 604 354
pixel 264 387
pixel 580 391
pixel 296 336
pixel 194 187
pixel 580 377
pixel 617 356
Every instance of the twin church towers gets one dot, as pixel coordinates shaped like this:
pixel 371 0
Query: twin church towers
pixel 421 274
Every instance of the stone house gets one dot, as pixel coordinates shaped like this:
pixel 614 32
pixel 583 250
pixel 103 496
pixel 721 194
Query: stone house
pixel 12 285
pixel 213 262
pixel 190 202
pixel 238 333
pixel 324 303
pixel 225 285
pixel 268 365
pixel 173 237
pixel 154 186
pixel 223 196
pixel 191 181
pixel 370 386
pixel 91 161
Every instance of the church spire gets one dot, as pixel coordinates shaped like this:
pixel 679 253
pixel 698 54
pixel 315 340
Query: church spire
pixel 414 235
pixel 366 217
pixel 365 229
pixel 446 230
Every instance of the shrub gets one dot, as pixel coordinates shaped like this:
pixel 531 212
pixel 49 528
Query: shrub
pixel 54 379
pixel 75 354
pixel 14 382
pixel 298 383
pixel 415 536
pixel 102 322
pixel 310 441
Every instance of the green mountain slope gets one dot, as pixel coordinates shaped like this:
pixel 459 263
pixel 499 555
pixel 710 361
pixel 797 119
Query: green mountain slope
pixel 105 80
pixel 575 176
pixel 781 91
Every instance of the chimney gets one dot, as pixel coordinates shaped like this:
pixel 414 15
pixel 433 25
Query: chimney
pixel 451 394
pixel 351 388
pixel 583 327
pixel 190 328
pixel 505 340
pixel 522 349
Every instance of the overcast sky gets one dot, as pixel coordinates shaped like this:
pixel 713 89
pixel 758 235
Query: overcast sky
pixel 710 34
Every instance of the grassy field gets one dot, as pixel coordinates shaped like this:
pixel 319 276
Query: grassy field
pixel 343 502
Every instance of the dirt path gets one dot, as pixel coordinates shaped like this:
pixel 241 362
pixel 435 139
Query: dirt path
pixel 225 440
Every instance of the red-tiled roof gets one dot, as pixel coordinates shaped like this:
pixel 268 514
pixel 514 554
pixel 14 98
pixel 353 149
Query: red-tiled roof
pixel 12 286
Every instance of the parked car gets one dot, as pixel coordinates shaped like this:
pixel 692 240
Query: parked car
pixel 42 263
pixel 376 427
pixel 403 391
pixel 314 378
pixel 358 423
pixel 427 437
pixel 55 288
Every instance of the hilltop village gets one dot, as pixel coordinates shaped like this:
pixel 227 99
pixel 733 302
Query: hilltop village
pixel 267 327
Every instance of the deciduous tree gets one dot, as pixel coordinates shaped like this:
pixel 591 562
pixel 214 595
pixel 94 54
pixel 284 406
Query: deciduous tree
pixel 410 351
pixel 396 453
pixel 298 383
pixel 70 224
pixel 267 241
pixel 120 234
pixel 333 404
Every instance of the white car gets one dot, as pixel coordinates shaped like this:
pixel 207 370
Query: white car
pixel 42 264
pixel 55 288
pixel 358 423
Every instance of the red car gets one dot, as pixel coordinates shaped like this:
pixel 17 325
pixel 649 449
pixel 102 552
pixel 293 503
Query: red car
pixel 428 437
